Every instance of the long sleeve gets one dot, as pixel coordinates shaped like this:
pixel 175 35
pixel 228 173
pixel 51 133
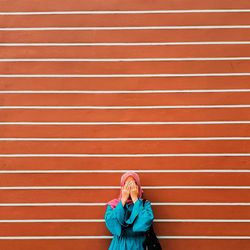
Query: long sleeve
pixel 141 217
pixel 114 218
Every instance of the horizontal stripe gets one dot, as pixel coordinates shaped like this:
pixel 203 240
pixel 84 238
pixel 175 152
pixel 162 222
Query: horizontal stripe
pixel 128 107
pixel 131 139
pixel 121 91
pixel 117 187
pixel 124 123
pixel 120 75
pixel 127 155
pixel 131 28
pixel 123 171
pixel 128 43
pixel 103 12
pixel 124 59
pixel 110 237
pixel 103 204
pixel 102 220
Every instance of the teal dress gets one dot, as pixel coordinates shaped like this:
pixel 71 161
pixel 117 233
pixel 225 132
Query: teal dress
pixel 128 224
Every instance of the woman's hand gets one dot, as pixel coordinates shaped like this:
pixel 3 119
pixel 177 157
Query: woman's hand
pixel 125 192
pixel 134 192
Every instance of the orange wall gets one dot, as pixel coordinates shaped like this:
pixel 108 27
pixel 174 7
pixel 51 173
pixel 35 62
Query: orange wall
pixel 191 138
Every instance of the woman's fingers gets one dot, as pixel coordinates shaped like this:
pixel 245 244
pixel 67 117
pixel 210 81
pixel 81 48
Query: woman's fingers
pixel 127 186
pixel 133 187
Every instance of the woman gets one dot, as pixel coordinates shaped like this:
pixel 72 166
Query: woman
pixel 126 217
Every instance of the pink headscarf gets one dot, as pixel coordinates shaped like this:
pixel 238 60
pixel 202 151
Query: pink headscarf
pixel 114 202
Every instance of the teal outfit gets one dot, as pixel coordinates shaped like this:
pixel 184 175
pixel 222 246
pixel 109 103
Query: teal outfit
pixel 128 224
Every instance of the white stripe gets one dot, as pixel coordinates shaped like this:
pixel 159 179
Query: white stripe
pixel 124 123
pixel 103 204
pixel 121 91
pixel 123 171
pixel 128 43
pixel 102 220
pixel 121 75
pixel 116 187
pixel 203 237
pixel 130 28
pixel 123 59
pixel 128 155
pixel 130 139
pixel 127 107
pixel 201 220
pixel 110 237
pixel 102 12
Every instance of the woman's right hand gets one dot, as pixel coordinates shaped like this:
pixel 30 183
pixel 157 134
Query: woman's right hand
pixel 125 193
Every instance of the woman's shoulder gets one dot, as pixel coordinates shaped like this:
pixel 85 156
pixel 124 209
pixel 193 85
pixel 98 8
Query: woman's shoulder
pixel 146 201
pixel 112 203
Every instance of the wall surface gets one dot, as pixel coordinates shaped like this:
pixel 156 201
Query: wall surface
pixel 91 89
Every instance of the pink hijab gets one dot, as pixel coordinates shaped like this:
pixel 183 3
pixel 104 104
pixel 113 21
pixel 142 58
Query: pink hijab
pixel 115 201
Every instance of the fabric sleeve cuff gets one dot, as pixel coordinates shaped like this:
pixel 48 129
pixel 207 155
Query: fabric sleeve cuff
pixel 135 211
pixel 120 212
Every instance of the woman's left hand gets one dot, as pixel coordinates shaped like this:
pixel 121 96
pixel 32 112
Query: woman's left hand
pixel 134 192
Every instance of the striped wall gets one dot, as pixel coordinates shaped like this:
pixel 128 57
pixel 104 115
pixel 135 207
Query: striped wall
pixel 91 89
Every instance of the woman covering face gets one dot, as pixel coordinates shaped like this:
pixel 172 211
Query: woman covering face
pixel 126 217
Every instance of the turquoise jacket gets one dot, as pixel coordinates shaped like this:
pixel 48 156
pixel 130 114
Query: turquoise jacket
pixel 128 224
